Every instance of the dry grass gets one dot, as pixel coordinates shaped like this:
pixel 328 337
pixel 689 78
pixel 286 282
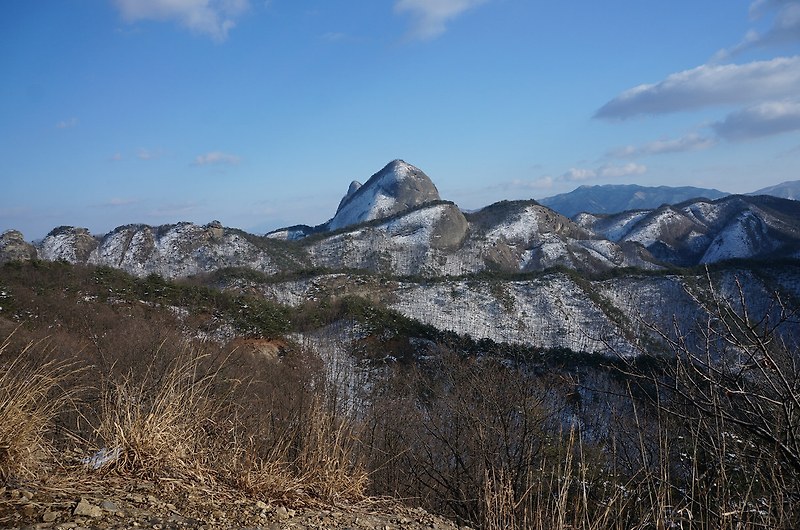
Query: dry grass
pixel 326 457
pixel 165 423
pixel 187 422
pixel 31 396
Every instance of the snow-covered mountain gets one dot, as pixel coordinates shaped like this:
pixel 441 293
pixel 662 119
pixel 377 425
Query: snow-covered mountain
pixel 396 224
pixel 173 251
pixel 702 231
pixel 620 315
pixel 13 247
pixel 613 198
pixel 395 188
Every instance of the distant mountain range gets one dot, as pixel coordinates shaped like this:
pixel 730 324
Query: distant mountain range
pixel 785 190
pixel 615 198
pixel 397 224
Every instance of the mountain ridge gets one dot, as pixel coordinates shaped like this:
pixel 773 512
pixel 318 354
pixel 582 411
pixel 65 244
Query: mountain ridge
pixel 615 198
pixel 397 224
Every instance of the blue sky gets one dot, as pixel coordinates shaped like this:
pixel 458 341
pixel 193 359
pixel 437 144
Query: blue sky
pixel 260 113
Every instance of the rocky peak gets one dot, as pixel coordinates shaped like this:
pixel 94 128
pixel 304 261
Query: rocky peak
pixel 68 243
pixel 397 187
pixel 13 247
pixel 354 186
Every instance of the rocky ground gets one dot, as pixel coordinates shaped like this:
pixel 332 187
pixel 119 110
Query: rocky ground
pixel 127 504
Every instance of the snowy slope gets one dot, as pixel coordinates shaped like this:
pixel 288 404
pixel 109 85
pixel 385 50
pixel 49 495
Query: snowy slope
pixel 172 251
pixel 744 237
pixel 397 187
pixel 553 310
pixel 406 244
pixel 706 231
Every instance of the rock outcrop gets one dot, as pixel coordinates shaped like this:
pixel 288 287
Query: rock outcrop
pixel 13 247
pixel 395 188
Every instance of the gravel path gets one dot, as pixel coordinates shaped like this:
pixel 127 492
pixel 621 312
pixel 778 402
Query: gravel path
pixel 118 504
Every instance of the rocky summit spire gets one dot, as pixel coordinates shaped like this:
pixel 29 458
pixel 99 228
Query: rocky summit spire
pixel 397 187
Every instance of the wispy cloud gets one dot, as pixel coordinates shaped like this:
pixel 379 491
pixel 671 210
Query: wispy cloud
pixel 690 142
pixel 334 36
pixel 117 202
pixel 146 154
pixel 541 183
pixel 606 171
pixel 579 174
pixel 430 17
pixel 626 170
pixel 116 157
pixel 214 18
pixel 67 124
pixel 173 210
pixel 709 85
pixel 764 119
pixel 215 158
pixel 785 27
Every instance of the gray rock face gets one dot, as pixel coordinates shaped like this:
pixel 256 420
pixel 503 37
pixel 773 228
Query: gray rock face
pixel 395 188
pixel 555 310
pixel 13 247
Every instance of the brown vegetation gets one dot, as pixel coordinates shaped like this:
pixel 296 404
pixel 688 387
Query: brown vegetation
pixel 708 437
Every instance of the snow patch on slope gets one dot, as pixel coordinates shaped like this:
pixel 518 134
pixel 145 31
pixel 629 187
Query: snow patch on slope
pixel 650 232
pixel 517 229
pixel 621 225
pixel 549 312
pixel 740 239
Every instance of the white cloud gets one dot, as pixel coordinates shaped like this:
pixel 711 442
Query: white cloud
pixel 763 119
pixel 759 7
pixel 579 174
pixel 216 157
pixel 214 18
pixel 67 124
pixel 173 210
pixel 606 171
pixel 116 157
pixel 709 85
pixel 690 142
pixel 544 182
pixel 431 16
pixel 622 171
